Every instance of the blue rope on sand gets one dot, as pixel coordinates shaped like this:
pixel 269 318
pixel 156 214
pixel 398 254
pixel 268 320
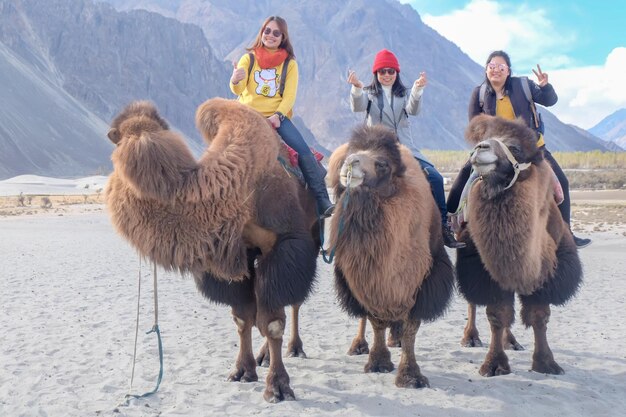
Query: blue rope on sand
pixel 155 329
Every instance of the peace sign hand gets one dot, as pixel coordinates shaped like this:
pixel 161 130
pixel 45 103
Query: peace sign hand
pixel 542 77
pixel 422 80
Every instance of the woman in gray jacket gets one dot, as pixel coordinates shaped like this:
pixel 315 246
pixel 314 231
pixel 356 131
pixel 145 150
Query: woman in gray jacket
pixel 388 102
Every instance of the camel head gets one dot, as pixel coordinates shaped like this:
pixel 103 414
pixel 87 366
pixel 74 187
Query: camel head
pixel 372 160
pixel 503 150
pixel 137 117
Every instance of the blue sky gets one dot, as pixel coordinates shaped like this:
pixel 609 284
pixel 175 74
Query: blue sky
pixel 580 44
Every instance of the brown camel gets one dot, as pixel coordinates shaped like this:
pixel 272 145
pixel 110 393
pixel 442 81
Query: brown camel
pixel 516 240
pixel 390 263
pixel 219 218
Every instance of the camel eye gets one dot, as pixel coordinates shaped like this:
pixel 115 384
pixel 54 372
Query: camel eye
pixel 515 149
pixel 381 165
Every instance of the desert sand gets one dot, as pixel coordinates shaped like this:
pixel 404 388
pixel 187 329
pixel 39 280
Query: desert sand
pixel 68 308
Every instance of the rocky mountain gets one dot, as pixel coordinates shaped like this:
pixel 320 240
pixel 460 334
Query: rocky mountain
pixel 612 128
pixel 70 65
pixel 331 37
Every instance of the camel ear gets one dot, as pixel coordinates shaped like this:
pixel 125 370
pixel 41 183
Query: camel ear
pixel 477 128
pixel 114 135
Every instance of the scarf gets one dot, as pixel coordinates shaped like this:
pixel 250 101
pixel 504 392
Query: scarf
pixel 269 59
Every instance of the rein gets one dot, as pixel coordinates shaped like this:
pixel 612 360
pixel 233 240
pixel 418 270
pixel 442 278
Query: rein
pixel 344 204
pixel 517 167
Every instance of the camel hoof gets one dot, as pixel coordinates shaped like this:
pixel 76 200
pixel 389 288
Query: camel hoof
pixel 263 360
pixel 296 352
pixel 359 347
pixel 513 345
pixel 471 341
pixel 278 392
pixel 379 367
pixel 547 367
pixel 494 369
pixel 412 381
pixel 241 375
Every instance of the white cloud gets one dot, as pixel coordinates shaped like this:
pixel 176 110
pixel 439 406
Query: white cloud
pixel 589 94
pixel 586 94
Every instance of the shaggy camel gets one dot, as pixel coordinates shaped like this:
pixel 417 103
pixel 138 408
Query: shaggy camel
pixel 218 218
pixel 390 263
pixel 517 241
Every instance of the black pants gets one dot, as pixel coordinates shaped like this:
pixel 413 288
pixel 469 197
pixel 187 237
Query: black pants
pixel 454 196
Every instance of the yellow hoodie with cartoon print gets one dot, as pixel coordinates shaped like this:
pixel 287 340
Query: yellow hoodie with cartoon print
pixel 260 88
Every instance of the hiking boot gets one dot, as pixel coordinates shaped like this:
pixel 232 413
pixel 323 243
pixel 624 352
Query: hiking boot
pixel 448 238
pixel 325 208
pixel 581 242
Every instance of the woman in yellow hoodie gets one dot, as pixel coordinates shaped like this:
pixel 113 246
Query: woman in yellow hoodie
pixel 261 82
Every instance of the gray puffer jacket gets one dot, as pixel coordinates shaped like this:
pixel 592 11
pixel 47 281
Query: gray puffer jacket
pixel 394 115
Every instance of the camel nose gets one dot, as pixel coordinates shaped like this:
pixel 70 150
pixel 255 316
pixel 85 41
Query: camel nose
pixel 483 146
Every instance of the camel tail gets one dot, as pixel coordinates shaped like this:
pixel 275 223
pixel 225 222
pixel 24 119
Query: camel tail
pixel 285 276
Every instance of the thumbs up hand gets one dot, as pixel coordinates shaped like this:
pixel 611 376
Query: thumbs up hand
pixel 238 74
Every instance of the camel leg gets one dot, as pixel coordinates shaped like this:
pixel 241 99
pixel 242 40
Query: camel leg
pixel 379 359
pixel 245 366
pixel 395 334
pixel 271 324
pixel 538 317
pixel 470 333
pixel 359 344
pixel 500 317
pixel 409 375
pixel 294 348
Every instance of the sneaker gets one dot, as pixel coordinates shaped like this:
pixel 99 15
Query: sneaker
pixel 448 238
pixel 581 242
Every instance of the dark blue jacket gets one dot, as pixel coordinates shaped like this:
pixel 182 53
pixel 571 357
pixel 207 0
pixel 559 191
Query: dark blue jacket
pixel 546 96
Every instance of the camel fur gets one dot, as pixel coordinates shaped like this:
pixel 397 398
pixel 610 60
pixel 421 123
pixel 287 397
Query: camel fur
pixel 219 218
pixel 516 240
pixel 390 263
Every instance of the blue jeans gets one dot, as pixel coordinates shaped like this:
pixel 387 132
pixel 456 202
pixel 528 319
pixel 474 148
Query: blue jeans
pixel 436 186
pixel 292 137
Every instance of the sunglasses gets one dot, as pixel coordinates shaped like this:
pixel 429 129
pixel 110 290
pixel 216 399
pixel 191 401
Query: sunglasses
pixel 384 71
pixel 502 67
pixel 277 33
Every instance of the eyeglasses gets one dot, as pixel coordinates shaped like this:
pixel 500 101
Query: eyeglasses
pixel 277 33
pixel 384 71
pixel 502 67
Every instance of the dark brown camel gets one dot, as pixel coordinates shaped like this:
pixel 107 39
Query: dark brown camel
pixel 218 218
pixel 390 263
pixel 516 240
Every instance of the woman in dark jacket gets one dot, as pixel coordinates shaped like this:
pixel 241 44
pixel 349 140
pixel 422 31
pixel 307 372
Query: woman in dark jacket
pixel 504 96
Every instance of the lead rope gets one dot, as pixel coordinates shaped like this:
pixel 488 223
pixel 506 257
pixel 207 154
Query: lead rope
pixel 346 198
pixel 155 329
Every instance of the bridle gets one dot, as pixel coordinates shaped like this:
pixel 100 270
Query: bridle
pixel 517 167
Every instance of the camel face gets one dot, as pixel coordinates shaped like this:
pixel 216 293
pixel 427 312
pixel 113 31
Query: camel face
pixel 365 169
pixel 484 158
pixel 372 161
pixel 503 150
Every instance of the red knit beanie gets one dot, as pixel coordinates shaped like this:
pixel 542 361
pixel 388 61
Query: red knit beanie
pixel 385 59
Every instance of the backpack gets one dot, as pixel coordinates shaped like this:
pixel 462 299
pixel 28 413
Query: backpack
pixel 529 97
pixel 283 73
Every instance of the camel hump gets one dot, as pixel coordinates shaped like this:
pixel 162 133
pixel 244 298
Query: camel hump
pixel 219 112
